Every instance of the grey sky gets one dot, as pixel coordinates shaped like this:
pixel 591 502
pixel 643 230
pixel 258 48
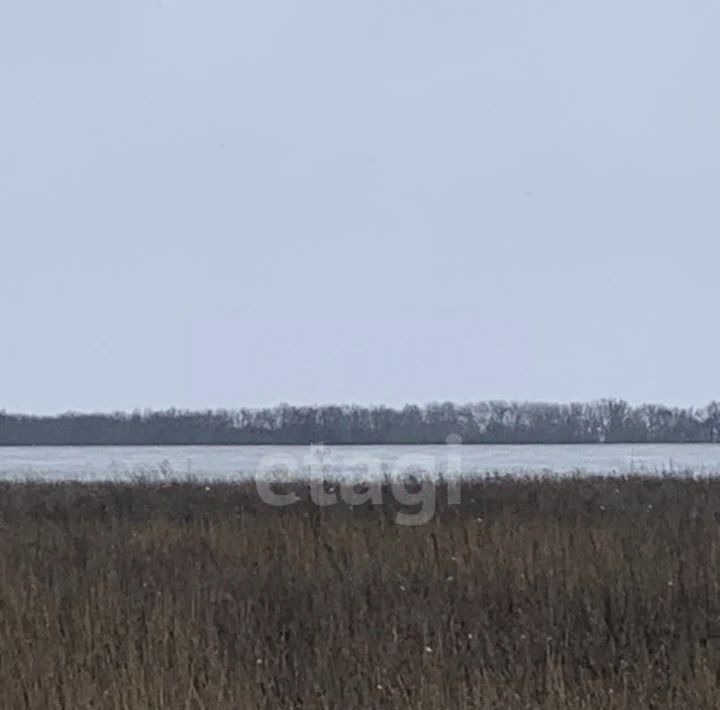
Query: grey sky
pixel 228 203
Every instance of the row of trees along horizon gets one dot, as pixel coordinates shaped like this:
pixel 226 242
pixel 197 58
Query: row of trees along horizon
pixel 496 422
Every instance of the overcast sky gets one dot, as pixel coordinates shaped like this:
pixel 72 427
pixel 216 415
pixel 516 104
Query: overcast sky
pixel 227 203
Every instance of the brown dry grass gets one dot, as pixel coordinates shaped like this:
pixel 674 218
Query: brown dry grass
pixel 595 593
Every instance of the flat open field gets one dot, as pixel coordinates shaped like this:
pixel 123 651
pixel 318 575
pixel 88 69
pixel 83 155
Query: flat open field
pixel 579 593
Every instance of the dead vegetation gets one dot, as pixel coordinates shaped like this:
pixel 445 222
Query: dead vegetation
pixel 578 593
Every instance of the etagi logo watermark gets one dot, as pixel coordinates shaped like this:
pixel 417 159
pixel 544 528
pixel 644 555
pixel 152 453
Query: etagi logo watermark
pixel 357 479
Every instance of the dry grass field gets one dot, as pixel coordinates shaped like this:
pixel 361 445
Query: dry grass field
pixel 594 593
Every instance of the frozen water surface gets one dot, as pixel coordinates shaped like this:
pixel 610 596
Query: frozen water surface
pixel 227 462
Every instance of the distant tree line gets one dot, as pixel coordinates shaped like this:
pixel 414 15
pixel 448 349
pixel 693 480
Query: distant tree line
pixel 610 421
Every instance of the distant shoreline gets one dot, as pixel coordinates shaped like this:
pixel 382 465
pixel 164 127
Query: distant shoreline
pixel 607 421
pixel 359 445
